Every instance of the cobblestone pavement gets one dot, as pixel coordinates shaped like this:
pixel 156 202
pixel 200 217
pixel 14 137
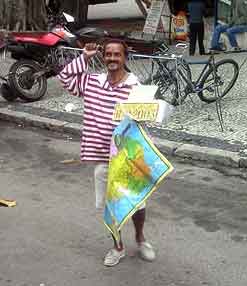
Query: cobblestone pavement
pixel 194 122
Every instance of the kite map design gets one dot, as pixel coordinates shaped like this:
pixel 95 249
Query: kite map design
pixel 136 168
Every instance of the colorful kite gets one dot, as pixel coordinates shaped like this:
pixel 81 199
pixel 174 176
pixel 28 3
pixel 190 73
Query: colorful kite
pixel 136 168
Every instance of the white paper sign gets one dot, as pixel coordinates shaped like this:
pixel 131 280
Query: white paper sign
pixel 153 17
pixel 142 93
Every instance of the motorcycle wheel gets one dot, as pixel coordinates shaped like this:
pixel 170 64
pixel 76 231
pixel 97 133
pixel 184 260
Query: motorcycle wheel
pixel 22 81
pixel 7 93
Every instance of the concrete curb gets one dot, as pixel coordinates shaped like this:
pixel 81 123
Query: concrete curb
pixel 211 156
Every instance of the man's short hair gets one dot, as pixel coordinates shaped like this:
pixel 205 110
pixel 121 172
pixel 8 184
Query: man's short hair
pixel 116 41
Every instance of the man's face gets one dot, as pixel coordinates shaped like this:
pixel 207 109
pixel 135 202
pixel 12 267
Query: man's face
pixel 114 57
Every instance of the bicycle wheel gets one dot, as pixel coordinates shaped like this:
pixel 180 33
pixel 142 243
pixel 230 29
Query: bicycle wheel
pixel 223 76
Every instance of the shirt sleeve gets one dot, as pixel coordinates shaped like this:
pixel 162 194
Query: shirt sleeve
pixel 74 76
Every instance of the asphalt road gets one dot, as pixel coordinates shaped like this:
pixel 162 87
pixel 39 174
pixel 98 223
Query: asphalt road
pixel 197 222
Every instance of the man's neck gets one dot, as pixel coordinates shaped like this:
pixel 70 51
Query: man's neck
pixel 117 77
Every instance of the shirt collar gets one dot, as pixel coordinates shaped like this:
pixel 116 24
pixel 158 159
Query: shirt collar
pixel 130 80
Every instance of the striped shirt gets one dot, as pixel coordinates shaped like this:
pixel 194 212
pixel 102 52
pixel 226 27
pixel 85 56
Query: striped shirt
pixel 100 99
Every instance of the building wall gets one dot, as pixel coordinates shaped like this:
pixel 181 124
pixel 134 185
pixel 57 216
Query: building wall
pixel 122 9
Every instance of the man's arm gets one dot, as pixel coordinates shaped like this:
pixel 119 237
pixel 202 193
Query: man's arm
pixel 74 75
pixel 147 3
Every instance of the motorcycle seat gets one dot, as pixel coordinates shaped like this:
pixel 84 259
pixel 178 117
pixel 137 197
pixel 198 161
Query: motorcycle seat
pixel 40 38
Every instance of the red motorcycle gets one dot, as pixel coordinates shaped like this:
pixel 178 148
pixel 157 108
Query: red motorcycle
pixel 39 56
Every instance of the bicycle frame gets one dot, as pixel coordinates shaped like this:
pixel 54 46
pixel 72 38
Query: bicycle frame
pixel 193 86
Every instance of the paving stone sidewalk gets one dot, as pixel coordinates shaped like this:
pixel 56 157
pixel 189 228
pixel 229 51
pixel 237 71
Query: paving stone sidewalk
pixel 193 125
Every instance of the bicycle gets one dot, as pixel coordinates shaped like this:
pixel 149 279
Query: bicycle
pixel 174 78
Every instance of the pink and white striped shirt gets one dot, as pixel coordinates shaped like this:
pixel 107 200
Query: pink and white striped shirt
pixel 100 99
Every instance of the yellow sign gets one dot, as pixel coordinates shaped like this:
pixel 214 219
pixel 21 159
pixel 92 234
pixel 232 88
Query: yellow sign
pixel 137 111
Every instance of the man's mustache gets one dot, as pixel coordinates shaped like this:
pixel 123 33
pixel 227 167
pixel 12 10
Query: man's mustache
pixel 112 63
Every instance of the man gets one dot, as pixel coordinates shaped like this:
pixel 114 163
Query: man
pixel 196 10
pixel 238 24
pixel 101 92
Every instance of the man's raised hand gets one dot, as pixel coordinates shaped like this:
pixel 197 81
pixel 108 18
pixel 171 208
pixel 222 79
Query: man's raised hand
pixel 90 50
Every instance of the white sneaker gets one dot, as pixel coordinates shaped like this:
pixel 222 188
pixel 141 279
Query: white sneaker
pixel 113 257
pixel 146 251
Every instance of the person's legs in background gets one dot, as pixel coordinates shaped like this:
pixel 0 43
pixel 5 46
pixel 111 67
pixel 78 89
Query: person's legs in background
pixel 192 38
pixel 219 29
pixel 231 33
pixel 200 31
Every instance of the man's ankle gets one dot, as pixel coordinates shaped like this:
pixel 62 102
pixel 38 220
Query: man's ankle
pixel 140 239
pixel 119 247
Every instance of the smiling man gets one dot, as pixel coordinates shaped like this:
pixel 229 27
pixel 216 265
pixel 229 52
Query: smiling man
pixel 101 92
